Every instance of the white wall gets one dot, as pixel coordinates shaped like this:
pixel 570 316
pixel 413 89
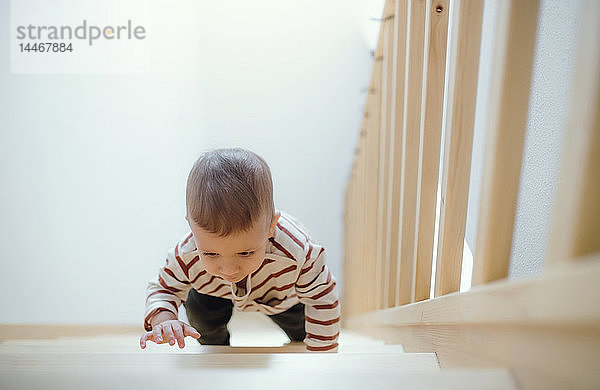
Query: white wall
pixel 93 167
pixel 552 72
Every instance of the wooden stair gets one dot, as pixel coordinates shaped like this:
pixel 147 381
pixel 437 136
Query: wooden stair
pixel 116 361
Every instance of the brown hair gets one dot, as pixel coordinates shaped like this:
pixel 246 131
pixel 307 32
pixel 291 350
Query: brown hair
pixel 228 190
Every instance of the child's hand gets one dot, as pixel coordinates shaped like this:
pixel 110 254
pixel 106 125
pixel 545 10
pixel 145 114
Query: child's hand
pixel 168 331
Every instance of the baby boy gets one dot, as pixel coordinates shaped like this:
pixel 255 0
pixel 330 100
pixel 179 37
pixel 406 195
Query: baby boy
pixel 241 253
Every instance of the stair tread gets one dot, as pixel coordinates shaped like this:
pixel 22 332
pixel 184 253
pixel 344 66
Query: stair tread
pixel 235 378
pixel 191 347
pixel 141 361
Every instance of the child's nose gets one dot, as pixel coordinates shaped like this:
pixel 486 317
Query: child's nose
pixel 229 269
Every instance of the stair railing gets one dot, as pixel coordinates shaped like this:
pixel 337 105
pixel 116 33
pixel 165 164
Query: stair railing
pixel 415 147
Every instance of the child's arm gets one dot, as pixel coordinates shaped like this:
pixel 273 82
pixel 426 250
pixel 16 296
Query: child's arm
pixel 163 297
pixel 316 288
pixel 168 290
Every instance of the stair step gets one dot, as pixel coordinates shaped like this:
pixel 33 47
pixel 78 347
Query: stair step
pixel 73 364
pixel 232 377
pixel 82 345
pixel 173 362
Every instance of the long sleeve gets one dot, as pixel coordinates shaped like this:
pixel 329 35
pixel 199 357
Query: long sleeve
pixel 316 288
pixel 170 288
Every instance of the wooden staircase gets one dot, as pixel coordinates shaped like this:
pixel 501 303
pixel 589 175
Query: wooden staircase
pixel 538 333
pixel 108 361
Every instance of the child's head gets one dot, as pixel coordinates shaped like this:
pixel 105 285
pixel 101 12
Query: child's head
pixel 229 201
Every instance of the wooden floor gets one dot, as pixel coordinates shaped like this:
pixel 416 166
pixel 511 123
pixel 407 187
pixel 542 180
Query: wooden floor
pixel 258 358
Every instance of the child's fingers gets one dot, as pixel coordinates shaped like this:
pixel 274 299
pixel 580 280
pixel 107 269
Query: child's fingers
pixel 145 337
pixel 157 334
pixel 168 332
pixel 190 331
pixel 179 334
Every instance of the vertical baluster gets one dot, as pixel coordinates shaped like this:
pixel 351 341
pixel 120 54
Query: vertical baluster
pixel 372 178
pixel 390 57
pixel 511 79
pixel 394 220
pixel 384 145
pixel 349 266
pixel 456 169
pixel 431 132
pixel 362 270
pixel 410 152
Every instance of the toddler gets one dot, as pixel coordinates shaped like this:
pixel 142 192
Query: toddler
pixel 241 253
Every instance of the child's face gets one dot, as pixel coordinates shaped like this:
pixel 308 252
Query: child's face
pixel 236 256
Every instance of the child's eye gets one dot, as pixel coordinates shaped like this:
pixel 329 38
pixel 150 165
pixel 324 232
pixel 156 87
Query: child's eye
pixel 210 254
pixel 246 253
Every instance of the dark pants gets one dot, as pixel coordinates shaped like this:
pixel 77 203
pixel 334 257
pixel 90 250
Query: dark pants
pixel 209 316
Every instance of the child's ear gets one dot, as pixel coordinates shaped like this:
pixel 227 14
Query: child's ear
pixel 274 224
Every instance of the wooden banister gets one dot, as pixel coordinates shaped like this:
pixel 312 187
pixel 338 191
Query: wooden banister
pixel 545 328
pixel 456 167
pixel 505 136
pixel 393 221
pixel 388 117
pixel 431 134
pixel 410 148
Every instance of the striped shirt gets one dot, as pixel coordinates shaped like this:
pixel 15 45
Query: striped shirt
pixel 293 271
